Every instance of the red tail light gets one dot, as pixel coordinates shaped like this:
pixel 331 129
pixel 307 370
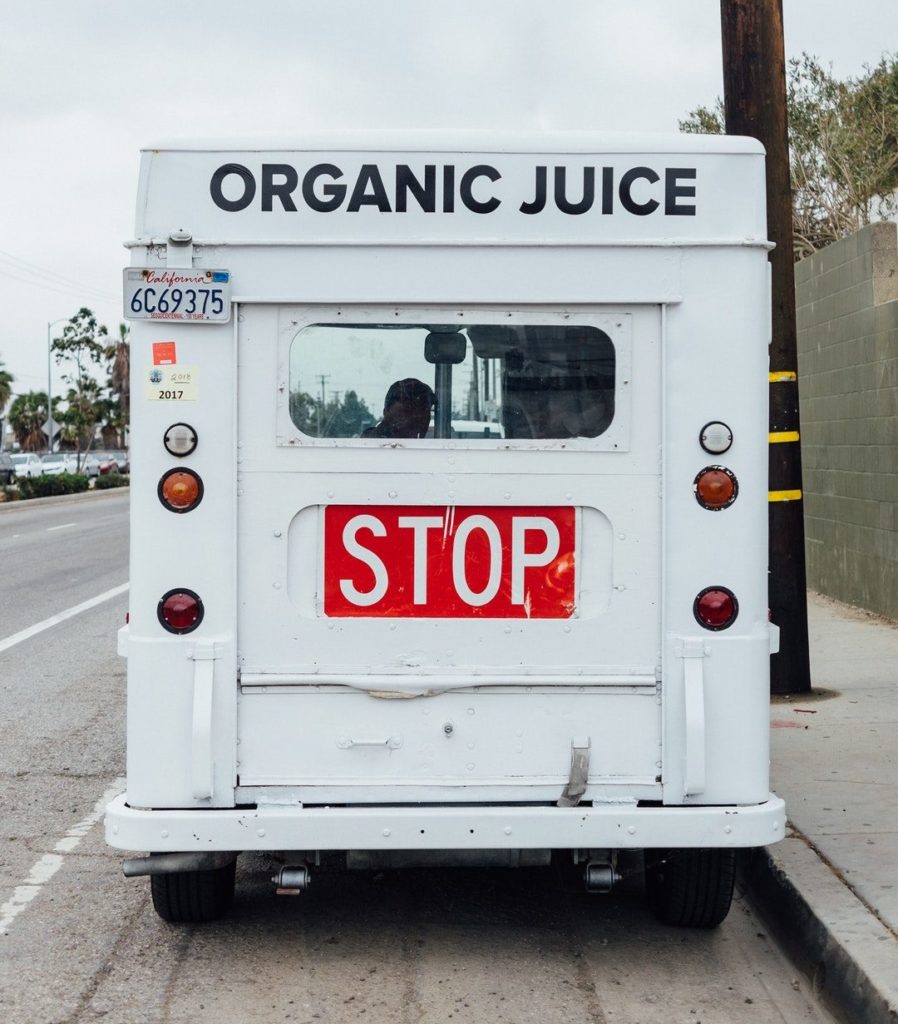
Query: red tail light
pixel 180 611
pixel 716 608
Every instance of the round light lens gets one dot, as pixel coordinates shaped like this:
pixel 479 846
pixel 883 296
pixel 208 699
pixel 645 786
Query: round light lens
pixel 715 488
pixel 180 490
pixel 180 439
pixel 715 437
pixel 180 611
pixel 716 608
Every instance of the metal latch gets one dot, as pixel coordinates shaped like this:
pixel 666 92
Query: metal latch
pixel 579 776
pixel 179 249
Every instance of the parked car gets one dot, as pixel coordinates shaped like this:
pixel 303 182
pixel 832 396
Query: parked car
pixel 96 463
pixel 7 468
pixel 59 462
pixel 122 463
pixel 27 464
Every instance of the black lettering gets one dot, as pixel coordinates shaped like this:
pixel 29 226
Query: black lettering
pixel 626 198
pixel 607 190
pixel 217 192
pixel 369 175
pixel 448 188
pixel 281 189
pixel 334 194
pixel 538 203
pixel 425 195
pixel 589 191
pixel 673 191
pixel 466 188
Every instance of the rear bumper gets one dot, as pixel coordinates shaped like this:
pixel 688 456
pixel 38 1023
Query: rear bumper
pixel 609 826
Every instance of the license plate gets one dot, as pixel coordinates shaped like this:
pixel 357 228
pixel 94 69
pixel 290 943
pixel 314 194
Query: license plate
pixel 449 561
pixel 179 295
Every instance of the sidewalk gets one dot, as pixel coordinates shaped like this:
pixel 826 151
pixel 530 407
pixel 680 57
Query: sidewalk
pixel 831 887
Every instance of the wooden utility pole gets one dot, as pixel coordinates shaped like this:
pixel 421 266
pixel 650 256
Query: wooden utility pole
pixel 754 84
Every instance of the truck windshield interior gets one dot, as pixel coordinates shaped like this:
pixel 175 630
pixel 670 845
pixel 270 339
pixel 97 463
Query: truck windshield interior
pixel 442 381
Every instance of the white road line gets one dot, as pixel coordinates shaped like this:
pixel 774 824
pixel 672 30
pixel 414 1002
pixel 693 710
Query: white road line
pixel 64 526
pixel 54 620
pixel 47 866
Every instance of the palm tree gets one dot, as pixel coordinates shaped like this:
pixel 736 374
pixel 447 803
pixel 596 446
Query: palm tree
pixel 27 415
pixel 6 379
pixel 119 355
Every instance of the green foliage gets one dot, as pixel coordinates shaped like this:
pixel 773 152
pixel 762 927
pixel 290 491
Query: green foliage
pixel 116 411
pixel 83 349
pixel 843 140
pixel 104 483
pixel 705 120
pixel 345 417
pixel 80 348
pixel 48 486
pixel 27 415
pixel 6 379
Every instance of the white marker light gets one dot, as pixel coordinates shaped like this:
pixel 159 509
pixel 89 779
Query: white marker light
pixel 180 439
pixel 716 438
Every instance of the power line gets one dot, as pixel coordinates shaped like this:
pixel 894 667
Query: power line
pixel 46 278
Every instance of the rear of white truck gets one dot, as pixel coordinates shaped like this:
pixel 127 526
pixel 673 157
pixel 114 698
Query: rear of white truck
pixel 360 624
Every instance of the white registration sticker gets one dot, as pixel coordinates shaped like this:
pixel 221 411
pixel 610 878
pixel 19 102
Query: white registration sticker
pixel 170 383
pixel 181 295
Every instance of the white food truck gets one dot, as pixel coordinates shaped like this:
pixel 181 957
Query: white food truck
pixel 449 511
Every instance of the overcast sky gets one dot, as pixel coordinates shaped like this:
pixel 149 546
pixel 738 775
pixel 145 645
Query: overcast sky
pixel 83 85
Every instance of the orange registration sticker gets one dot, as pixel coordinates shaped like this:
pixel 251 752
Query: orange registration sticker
pixel 449 561
pixel 164 353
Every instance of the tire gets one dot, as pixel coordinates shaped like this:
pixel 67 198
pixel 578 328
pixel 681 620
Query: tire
pixel 193 897
pixel 690 888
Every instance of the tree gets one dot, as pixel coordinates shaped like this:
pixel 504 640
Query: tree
pixel 80 347
pixel 118 408
pixel 347 418
pixel 303 410
pixel 843 140
pixel 27 415
pixel 6 379
pixel 82 412
pixel 337 418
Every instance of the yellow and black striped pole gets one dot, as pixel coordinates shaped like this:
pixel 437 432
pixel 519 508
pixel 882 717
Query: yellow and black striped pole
pixel 754 78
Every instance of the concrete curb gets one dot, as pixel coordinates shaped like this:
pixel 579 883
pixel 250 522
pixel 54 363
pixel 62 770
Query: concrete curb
pixel 59 499
pixel 833 936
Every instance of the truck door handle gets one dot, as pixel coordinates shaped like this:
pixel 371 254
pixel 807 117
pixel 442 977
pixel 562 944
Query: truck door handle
pixel 391 742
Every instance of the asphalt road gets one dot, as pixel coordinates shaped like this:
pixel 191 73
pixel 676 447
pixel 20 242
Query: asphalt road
pixel 79 943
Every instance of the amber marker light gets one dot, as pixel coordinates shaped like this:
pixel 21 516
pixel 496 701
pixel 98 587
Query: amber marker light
pixel 180 490
pixel 715 488
pixel 715 608
pixel 180 611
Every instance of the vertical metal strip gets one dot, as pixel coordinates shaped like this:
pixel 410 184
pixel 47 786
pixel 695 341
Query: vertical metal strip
pixel 694 707
pixel 201 746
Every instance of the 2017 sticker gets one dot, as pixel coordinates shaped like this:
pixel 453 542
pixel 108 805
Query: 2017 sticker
pixel 171 384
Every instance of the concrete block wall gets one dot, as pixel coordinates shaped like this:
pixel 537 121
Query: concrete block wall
pixel 847 305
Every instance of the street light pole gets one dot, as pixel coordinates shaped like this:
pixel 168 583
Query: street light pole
pixel 50 327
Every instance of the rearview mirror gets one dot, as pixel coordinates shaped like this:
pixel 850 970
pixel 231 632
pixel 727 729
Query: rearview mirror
pixel 445 348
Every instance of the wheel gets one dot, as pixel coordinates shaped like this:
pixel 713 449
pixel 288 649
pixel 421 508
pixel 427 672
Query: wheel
pixel 690 888
pixel 192 897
